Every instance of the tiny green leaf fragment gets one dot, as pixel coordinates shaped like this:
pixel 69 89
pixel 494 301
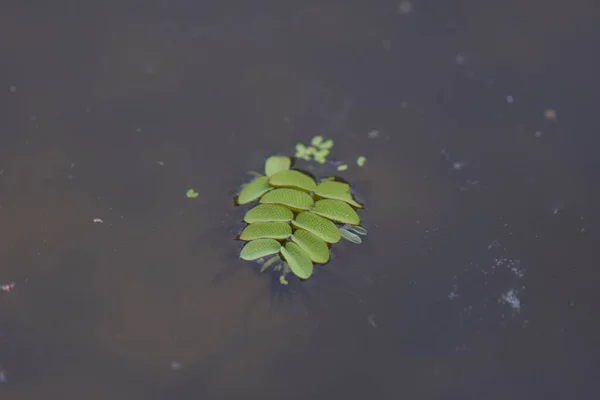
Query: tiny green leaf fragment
pixel 282 280
pixel 360 161
pixel 302 152
pixel 192 194
pixel 317 140
pixel 326 145
pixel 342 167
pixel 322 153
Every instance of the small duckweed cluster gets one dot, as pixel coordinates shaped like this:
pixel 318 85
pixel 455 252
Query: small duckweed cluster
pixel 318 150
pixel 296 220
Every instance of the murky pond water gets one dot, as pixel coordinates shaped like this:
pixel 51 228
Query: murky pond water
pixel 476 279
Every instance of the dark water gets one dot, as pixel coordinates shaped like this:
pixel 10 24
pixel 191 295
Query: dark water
pixel 478 279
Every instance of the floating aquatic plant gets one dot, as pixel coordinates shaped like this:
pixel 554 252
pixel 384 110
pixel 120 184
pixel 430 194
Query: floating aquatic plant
pixel 297 219
pixel 191 194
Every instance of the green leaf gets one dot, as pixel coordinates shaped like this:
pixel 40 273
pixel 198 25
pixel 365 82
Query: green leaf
pixel 322 153
pixel 360 161
pixel 293 179
pixel 259 248
pixel 266 230
pixel 292 198
pixel 315 247
pixel 275 164
pixel 268 213
pixel 270 262
pixel 349 236
pixel 342 167
pixel 316 141
pixel 326 145
pixel 356 229
pixel 253 190
pixel 297 259
pixel 191 194
pixel 336 190
pixel 336 210
pixel 317 225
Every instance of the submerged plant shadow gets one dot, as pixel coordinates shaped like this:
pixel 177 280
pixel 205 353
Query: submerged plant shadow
pixel 298 295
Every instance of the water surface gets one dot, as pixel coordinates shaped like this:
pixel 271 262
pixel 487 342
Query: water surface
pixel 476 279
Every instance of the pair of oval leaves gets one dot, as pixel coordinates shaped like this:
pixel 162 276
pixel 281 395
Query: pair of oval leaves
pixel 271 221
pixel 320 227
pixel 304 249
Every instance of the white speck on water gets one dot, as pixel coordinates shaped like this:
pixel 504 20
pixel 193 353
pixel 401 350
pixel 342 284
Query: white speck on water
pixel 7 287
pixel 452 295
pixel 513 266
pixel 98 220
pixel 371 320
pixel 175 365
pixel 556 210
pixel 509 99
pixel 493 245
pixel 374 134
pixel 538 134
pixel 405 7
pixel 511 299
pixel 12 89
pixel 458 165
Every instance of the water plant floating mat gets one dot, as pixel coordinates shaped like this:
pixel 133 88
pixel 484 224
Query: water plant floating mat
pixel 294 218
